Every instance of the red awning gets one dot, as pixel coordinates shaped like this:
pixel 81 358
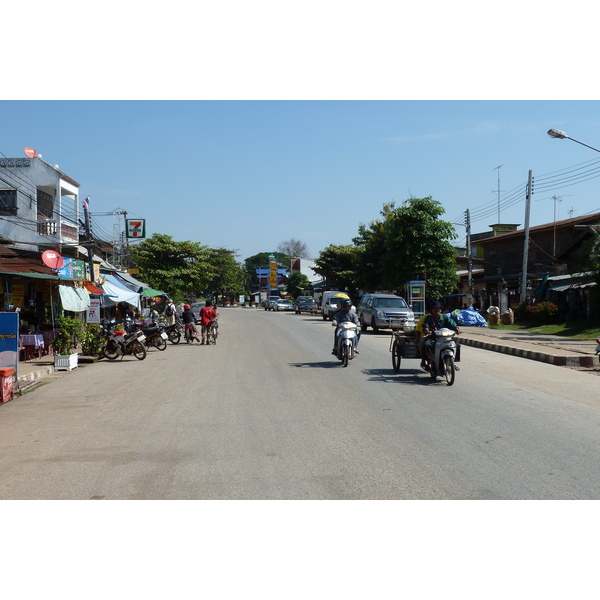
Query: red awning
pixel 92 289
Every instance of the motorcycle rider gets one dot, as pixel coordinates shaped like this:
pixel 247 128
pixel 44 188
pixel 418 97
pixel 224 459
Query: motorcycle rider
pixel 436 320
pixel 189 317
pixel 345 314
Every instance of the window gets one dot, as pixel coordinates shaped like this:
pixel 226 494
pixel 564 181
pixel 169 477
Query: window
pixel 8 200
pixel 45 205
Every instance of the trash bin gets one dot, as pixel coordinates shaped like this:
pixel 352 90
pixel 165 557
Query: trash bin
pixel 6 381
pixel 508 318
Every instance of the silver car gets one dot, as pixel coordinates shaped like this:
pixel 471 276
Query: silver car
pixel 384 311
pixel 284 305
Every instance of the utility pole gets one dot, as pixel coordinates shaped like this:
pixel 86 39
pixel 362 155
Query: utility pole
pixel 498 169
pixel 88 235
pixel 526 241
pixel 469 260
pixel 126 265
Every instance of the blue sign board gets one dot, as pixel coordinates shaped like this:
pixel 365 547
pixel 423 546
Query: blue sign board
pixel 9 340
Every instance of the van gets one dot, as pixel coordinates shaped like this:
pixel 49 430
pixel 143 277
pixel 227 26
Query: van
pixel 384 311
pixel 331 303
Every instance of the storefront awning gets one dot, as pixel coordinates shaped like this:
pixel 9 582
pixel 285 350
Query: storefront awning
pixel 150 293
pixel 114 293
pixel 129 282
pixel 92 289
pixel 74 299
pixel 33 275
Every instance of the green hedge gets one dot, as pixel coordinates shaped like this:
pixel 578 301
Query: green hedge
pixel 542 312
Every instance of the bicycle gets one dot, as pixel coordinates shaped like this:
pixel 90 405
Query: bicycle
pixel 213 332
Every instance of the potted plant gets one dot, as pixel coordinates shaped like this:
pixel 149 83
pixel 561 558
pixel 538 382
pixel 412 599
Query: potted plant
pixel 65 340
pixel 91 342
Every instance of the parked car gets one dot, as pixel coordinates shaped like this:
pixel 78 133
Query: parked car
pixel 269 303
pixel 283 304
pixel 384 311
pixel 306 304
pixel 196 306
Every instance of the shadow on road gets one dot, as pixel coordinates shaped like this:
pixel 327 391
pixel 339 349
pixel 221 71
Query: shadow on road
pixel 406 376
pixel 319 365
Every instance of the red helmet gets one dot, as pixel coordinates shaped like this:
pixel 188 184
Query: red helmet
pixel 187 306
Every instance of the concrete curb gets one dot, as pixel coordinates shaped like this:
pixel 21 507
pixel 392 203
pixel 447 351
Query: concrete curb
pixel 560 359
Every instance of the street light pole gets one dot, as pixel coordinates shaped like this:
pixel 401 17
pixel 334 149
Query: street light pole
pixel 561 135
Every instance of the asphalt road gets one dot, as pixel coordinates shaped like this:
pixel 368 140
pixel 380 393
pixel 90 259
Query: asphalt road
pixel 268 413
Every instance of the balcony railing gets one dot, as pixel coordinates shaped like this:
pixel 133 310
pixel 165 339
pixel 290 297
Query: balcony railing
pixel 47 227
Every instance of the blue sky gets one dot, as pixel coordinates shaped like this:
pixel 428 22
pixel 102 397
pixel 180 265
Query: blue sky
pixel 247 175
pixel 248 124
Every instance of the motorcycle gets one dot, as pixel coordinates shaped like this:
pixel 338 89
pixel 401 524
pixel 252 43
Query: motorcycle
pixel 442 354
pixel 120 343
pixel 155 336
pixel 190 333
pixel 173 332
pixel 345 341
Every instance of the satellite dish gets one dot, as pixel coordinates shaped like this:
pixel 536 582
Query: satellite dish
pixel 52 259
pixel 30 152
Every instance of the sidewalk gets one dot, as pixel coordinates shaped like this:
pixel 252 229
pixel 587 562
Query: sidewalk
pixel 32 372
pixel 552 349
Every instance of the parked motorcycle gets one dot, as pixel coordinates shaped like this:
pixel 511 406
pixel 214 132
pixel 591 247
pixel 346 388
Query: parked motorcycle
pixel 120 343
pixel 173 332
pixel 442 354
pixel 345 341
pixel 155 336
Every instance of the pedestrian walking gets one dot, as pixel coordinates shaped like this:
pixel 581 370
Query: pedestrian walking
pixel 170 312
pixel 207 314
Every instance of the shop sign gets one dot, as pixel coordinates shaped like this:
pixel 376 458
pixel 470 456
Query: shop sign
pixel 136 228
pixel 74 268
pixel 15 162
pixel 9 340
pixel 93 312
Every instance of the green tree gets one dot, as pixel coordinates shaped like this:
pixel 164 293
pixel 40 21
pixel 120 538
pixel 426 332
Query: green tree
pixel 370 250
pixel 177 268
pixel 407 243
pixel 297 285
pixel 417 244
pixel 337 265
pixel 227 276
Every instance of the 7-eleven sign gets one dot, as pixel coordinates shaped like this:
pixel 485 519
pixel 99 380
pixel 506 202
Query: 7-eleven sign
pixel 136 228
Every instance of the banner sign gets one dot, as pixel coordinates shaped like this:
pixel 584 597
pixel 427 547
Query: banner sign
pixel 272 273
pixel 93 312
pixel 9 340
pixel 136 228
pixel 74 268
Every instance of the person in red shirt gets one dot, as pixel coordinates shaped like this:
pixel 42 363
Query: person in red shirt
pixel 207 314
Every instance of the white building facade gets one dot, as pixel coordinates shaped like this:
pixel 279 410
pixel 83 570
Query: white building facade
pixel 39 206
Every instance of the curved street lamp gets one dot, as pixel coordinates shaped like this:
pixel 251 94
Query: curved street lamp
pixel 561 135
